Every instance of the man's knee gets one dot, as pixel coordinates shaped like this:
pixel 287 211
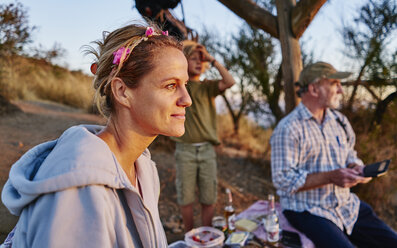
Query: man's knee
pixel 321 231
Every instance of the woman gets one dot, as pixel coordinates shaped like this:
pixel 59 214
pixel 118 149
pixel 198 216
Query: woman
pixel 96 186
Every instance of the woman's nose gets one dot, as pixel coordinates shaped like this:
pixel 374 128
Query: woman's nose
pixel 184 100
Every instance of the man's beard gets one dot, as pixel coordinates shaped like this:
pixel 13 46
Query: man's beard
pixel 334 102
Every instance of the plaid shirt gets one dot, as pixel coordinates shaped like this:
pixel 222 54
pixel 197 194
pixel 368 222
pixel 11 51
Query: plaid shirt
pixel 301 146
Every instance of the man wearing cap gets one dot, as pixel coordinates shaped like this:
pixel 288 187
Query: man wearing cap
pixel 314 165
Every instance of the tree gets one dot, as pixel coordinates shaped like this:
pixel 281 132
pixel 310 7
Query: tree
pixel 288 26
pixel 366 42
pixel 240 95
pixel 49 55
pixel 14 28
pixel 254 56
pixel 250 56
pixel 14 34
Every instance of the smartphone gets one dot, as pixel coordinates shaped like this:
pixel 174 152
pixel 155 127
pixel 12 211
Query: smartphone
pixel 376 169
pixel 291 239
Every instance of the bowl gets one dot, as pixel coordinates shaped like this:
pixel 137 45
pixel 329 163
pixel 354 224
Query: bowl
pixel 204 236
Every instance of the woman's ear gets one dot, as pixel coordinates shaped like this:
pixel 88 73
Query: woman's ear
pixel 120 92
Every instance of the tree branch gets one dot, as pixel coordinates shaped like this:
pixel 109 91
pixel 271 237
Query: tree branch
pixel 372 93
pixel 254 15
pixel 381 108
pixel 302 14
pixel 387 82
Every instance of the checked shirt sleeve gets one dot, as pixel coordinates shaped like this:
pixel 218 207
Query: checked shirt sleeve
pixel 287 175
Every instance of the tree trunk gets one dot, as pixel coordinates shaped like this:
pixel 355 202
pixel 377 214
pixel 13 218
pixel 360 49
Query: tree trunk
pixel 275 97
pixel 290 48
pixel 235 118
pixel 287 32
pixel 303 14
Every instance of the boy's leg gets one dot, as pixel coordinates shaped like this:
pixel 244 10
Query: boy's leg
pixel 207 212
pixel 207 182
pixel 321 231
pixel 370 231
pixel 187 217
pixel 185 181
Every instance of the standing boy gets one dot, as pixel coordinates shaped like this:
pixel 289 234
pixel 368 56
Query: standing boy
pixel 195 155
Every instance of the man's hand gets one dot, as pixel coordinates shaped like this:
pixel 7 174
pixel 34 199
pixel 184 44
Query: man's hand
pixel 348 177
pixel 356 167
pixel 360 170
pixel 344 177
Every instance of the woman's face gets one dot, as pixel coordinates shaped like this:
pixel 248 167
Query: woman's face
pixel 195 64
pixel 159 101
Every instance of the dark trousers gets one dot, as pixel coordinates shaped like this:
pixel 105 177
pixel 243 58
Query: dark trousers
pixel 368 231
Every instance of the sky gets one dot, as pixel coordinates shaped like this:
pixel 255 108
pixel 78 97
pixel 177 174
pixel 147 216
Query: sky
pixel 74 23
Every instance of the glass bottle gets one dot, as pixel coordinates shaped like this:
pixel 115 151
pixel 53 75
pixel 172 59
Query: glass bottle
pixel 272 222
pixel 229 212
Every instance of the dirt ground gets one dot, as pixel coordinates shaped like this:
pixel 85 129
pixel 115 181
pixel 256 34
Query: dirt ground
pixel 247 177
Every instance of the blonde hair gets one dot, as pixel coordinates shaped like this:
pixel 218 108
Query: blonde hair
pixel 137 63
pixel 189 47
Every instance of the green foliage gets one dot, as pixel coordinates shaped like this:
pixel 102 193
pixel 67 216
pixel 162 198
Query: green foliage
pixel 367 40
pixel 255 57
pixel 14 28
pixel 250 56
pixel 367 43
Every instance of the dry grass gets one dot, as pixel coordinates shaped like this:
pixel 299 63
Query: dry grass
pixel 376 145
pixel 251 138
pixel 31 79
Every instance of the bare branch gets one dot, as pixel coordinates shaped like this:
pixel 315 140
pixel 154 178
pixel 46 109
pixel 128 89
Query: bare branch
pixel 302 15
pixel 254 15
pixel 388 82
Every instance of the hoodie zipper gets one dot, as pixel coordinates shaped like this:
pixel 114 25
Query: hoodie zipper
pixel 151 221
pixel 147 213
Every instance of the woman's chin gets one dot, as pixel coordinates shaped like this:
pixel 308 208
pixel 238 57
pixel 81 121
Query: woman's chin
pixel 175 133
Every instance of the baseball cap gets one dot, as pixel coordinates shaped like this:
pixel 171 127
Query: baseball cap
pixel 320 70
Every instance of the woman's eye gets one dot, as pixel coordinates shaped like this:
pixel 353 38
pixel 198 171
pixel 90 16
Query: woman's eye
pixel 171 86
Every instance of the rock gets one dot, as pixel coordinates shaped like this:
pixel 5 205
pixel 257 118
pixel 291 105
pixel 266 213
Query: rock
pixel 6 107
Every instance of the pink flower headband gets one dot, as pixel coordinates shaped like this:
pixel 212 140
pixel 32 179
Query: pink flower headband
pixel 122 54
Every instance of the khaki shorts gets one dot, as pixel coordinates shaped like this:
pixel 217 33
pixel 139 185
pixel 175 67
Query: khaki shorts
pixel 195 165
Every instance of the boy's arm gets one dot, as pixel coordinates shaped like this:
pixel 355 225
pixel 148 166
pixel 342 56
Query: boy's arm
pixel 227 79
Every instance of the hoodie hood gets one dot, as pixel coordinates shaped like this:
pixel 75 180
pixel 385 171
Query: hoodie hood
pixel 77 158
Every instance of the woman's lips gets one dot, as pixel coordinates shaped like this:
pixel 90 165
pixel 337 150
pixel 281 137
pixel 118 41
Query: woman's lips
pixel 179 116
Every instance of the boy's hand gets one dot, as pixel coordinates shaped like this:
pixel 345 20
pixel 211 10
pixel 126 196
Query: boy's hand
pixel 205 56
